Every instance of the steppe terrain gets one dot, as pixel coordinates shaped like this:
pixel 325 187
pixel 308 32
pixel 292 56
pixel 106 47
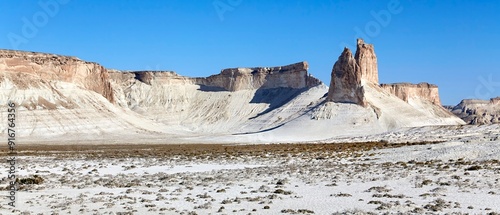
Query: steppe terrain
pixel 260 140
pixel 460 176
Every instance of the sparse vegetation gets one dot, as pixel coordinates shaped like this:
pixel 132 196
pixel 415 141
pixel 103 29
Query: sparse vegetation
pixel 35 179
pixel 284 172
pixel 473 168
pixel 341 195
pixel 280 191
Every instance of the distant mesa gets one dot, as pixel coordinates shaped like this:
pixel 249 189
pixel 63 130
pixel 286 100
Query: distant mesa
pixel 495 101
pixel 290 76
pixel 294 76
pixel 478 112
pixel 407 91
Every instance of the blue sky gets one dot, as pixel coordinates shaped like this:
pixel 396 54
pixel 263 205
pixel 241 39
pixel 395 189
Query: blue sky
pixel 449 43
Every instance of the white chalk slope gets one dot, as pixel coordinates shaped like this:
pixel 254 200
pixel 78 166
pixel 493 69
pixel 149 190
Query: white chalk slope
pixel 56 111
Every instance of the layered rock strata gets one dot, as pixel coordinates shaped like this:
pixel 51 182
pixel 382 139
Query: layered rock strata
pixel 291 76
pixel 26 69
pixel 476 111
pixel 367 61
pixel 407 91
pixel 345 85
pixel 349 74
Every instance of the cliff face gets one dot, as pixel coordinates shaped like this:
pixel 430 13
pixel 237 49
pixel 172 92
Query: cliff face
pixel 367 61
pixel 150 77
pixel 27 69
pixel 58 76
pixel 235 79
pixel 66 96
pixel 495 101
pixel 406 91
pixel 354 79
pixel 350 73
pixel 364 67
pixel 345 85
pixel 475 111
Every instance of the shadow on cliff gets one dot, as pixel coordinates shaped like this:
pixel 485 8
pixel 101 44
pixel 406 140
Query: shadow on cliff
pixel 282 124
pixel 275 97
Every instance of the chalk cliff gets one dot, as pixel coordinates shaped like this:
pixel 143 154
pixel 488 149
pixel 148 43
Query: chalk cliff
pixel 65 98
pixel 476 111
pixel 350 73
pixel 27 69
pixel 293 76
pixel 407 91
pixel 354 80
pixel 345 85
pixel 234 79
pixel 367 61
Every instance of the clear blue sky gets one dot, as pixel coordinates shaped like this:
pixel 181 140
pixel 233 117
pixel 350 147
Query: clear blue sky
pixel 453 44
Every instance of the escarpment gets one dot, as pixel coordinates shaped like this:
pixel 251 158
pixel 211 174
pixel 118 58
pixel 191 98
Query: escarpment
pixel 149 77
pixel 31 70
pixel 291 76
pixel 477 112
pixel 27 69
pixel 495 101
pixel 66 97
pixel 407 91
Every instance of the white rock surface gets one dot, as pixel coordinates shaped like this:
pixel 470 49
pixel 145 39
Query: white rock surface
pixel 63 99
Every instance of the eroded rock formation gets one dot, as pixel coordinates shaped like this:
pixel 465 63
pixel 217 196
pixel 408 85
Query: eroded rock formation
pixel 495 101
pixel 67 97
pixel 476 111
pixel 26 69
pixel 149 77
pixel 345 85
pixel 407 91
pixel 291 76
pixel 234 79
pixel 31 69
pixel 367 61
pixel 351 73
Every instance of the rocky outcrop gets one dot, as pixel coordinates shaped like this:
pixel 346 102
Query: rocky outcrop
pixel 145 77
pixel 291 76
pixel 150 77
pixel 30 71
pixel 67 97
pixel 475 111
pixel 234 79
pixel 345 85
pixel 367 61
pixel 495 101
pixel 350 74
pixel 407 91
pixel 27 69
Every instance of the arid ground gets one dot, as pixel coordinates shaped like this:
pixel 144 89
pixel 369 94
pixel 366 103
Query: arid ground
pixel 345 178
